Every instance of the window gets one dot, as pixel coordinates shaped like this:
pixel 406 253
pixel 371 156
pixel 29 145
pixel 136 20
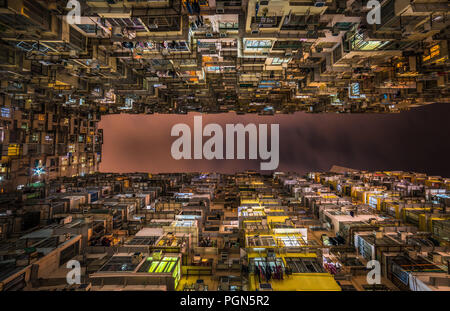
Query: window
pixel 68 253
pixel 290 44
pixel 177 46
pixel 213 68
pixel 337 53
pixel 13 150
pixel 229 26
pixel 290 241
pixel 264 262
pixel 267 21
pixel 261 241
pixel 7 56
pixel 6 112
pixel 354 91
pixel 358 42
pixel 304 265
pixel 16 284
pixel 257 45
pixel 300 22
pixel 35 138
pixel 279 61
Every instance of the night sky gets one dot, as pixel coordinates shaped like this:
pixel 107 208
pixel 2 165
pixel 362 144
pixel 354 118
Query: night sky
pixel 416 140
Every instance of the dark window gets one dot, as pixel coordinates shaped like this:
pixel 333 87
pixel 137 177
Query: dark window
pixel 68 253
pixel 16 284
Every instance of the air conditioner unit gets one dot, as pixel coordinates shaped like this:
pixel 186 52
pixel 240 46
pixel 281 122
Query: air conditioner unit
pixel 288 52
pixel 264 2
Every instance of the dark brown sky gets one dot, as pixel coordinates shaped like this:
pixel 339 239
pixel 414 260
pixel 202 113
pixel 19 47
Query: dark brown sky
pixel 416 140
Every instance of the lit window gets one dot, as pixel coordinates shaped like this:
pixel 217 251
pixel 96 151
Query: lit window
pixel 35 137
pixel 6 112
pixel 279 61
pixel 13 150
pixel 258 45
